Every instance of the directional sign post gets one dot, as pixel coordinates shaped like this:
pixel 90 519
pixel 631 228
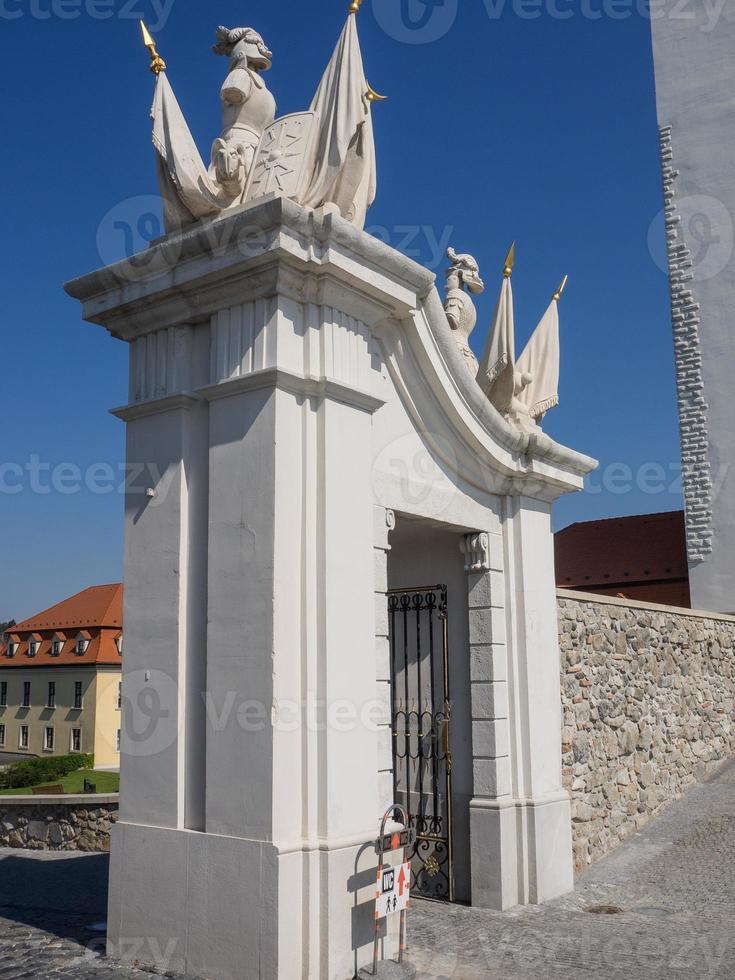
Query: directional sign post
pixel 393 887
pixel 394 842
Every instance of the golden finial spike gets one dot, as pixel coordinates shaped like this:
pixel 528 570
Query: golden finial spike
pixel 373 96
pixel 562 286
pixel 355 6
pixel 157 63
pixel 510 261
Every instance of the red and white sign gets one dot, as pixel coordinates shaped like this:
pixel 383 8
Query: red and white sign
pixel 394 890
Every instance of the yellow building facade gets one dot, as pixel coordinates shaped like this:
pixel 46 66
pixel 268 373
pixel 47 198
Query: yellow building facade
pixel 60 680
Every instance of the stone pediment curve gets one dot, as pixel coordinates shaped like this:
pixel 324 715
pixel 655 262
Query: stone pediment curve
pixel 450 409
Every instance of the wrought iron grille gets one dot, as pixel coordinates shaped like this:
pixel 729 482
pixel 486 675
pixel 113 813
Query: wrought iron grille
pixel 422 760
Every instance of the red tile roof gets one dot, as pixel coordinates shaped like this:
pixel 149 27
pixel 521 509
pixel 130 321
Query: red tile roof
pixel 95 614
pixel 643 548
pixel 100 605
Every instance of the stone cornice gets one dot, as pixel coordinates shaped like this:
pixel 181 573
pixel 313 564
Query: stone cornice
pixel 295 384
pixel 254 252
pixel 154 406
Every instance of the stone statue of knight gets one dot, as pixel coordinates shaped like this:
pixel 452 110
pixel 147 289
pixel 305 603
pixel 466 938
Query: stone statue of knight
pixel 247 107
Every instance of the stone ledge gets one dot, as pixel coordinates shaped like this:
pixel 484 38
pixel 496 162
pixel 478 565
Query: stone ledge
pixel 68 799
pixel 608 600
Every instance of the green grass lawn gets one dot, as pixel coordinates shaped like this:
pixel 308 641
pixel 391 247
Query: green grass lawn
pixel 106 782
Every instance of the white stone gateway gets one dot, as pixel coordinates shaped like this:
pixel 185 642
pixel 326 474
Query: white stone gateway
pixel 323 448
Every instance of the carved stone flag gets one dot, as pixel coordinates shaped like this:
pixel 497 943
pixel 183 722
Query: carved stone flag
pixel 496 376
pixel 187 190
pixel 345 171
pixel 540 359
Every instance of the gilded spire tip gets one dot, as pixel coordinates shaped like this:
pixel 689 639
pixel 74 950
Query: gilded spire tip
pixel 510 261
pixel 562 286
pixel 157 63
pixel 355 6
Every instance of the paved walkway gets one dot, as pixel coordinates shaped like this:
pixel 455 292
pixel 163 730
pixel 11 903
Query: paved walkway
pixel 675 883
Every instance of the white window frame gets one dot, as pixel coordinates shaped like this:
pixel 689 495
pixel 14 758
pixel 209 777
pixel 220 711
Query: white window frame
pixel 33 646
pixel 119 644
pixel 27 730
pixel 80 646
pixel 71 741
pixel 12 647
pixel 78 686
pixel 46 746
pixel 2 734
pixel 27 702
pixel 57 645
pixel 51 700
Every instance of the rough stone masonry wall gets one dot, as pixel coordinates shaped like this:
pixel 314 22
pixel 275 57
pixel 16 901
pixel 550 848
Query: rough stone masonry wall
pixel 73 825
pixel 647 697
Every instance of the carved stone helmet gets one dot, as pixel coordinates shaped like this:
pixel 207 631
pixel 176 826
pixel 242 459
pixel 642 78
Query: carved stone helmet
pixel 243 44
pixel 465 268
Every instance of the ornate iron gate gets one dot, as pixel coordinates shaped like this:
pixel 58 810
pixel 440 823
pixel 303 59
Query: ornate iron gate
pixel 422 760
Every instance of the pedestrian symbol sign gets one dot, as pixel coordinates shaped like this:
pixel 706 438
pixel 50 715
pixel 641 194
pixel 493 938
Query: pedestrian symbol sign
pixel 395 891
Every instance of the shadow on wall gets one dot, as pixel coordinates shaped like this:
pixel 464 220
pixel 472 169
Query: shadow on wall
pixel 63 895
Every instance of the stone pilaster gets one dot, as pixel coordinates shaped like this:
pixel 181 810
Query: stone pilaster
pixel 385 522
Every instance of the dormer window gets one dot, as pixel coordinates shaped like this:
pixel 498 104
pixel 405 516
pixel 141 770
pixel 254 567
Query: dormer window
pixel 119 644
pixel 81 645
pixel 11 649
pixel 57 644
pixel 32 648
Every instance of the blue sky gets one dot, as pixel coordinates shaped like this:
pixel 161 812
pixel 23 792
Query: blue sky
pixel 504 121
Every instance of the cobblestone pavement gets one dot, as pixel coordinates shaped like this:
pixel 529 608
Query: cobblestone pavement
pixel 675 883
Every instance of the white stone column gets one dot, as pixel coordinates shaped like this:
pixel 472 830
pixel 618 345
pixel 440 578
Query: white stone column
pixel 492 811
pixel 520 816
pixel 165 515
pixel 248 832
pixel 545 839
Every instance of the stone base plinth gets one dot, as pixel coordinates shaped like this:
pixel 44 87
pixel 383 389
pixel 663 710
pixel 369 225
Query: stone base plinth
pixel 388 970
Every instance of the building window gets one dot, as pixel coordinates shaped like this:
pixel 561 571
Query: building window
pixel 26 694
pixel 119 644
pixel 56 648
pixel 12 647
pixel 3 694
pixel 81 647
pixel 23 740
pixel 117 741
pixel 32 648
pixel 2 734
pixel 119 696
pixel 76 740
pixel 48 739
pixel 77 695
pixel 51 694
